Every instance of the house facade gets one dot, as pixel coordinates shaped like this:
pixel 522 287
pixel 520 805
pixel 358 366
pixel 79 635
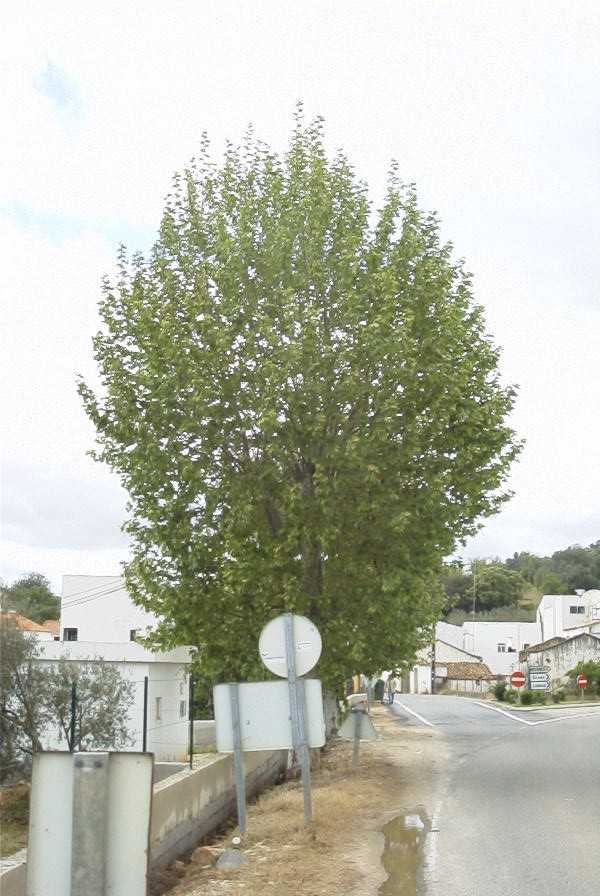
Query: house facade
pixel 558 614
pixel 558 656
pixel 499 643
pixel 100 621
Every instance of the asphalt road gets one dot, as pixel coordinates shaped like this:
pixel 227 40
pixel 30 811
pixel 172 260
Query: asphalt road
pixel 519 812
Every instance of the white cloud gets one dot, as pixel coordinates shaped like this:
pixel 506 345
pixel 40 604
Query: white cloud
pixel 491 111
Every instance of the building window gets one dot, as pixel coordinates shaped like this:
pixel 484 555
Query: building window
pixel 133 634
pixel 181 689
pixel 501 648
pixel 69 634
pixel 158 707
pixel 574 609
pixel 182 709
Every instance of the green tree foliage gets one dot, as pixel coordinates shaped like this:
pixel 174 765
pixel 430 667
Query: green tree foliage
pixel 578 567
pixel 592 671
pixel 304 406
pixel 23 708
pixel 494 586
pixel 31 596
pixel 548 582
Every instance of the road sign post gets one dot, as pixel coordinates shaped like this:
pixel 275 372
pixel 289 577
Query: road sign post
pixel 238 757
pixel 517 680
pixel 297 707
pixel 582 683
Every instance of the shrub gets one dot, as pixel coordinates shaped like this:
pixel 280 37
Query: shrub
pixel 510 696
pixel 500 690
pixel 527 698
pixel 539 697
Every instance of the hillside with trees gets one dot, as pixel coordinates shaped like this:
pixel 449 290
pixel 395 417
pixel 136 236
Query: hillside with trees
pixel 500 590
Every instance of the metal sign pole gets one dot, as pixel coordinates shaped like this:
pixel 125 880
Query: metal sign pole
pixel 358 714
pixel 238 758
pixel 191 718
pixel 297 708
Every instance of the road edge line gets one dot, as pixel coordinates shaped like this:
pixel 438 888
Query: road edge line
pixel 413 713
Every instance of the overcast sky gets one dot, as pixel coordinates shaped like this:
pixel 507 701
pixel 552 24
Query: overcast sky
pixel 491 108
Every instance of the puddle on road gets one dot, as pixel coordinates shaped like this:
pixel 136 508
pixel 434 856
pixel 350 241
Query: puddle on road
pixel 404 838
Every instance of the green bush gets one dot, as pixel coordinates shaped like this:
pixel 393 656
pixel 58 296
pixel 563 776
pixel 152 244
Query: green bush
pixel 539 697
pixel 559 696
pixel 500 690
pixel 527 698
pixel 510 696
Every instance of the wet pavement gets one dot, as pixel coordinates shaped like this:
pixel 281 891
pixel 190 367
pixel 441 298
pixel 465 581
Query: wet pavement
pixel 402 858
pixel 519 811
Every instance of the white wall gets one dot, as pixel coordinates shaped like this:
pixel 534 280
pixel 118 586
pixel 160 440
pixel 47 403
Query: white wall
pixel 451 634
pixel 447 653
pixel 483 638
pixel 167 678
pixel 555 612
pixel 100 609
pixel 168 737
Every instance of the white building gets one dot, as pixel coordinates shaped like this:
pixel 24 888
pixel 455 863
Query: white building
pixel 499 643
pixel 99 620
pixel 559 614
pixel 98 608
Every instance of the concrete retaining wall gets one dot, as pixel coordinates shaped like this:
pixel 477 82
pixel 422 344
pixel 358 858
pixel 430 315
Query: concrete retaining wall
pixel 189 806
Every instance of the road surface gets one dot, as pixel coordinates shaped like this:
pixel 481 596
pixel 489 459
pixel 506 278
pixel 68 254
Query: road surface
pixel 519 812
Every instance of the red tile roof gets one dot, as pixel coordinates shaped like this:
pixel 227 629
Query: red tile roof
pixel 52 625
pixel 25 624
pixel 468 671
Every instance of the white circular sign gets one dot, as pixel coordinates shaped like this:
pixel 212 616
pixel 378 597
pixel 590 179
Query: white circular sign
pixel 307 645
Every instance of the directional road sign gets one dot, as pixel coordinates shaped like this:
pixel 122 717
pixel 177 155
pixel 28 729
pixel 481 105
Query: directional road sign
pixel 539 679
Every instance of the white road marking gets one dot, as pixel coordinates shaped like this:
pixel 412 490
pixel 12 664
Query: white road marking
pixel 563 718
pixel 503 712
pixel 413 713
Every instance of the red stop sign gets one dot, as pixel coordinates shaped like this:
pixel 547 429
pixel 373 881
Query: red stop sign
pixel 582 681
pixel 517 679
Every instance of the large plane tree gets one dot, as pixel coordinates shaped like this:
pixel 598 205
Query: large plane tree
pixel 302 401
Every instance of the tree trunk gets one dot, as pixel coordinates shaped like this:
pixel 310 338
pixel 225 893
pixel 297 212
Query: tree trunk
pixel 312 561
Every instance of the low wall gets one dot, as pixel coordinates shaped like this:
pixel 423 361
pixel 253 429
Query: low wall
pixel 186 808
pixel 189 806
pixel 205 733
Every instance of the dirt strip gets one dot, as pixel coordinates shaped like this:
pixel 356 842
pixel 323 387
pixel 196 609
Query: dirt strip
pixel 341 852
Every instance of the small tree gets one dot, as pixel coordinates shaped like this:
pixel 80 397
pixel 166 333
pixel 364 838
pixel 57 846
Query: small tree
pixel 23 697
pixel 103 700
